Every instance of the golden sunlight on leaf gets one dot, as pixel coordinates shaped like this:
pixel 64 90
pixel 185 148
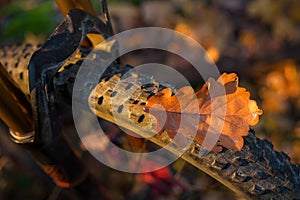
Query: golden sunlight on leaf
pixel 176 114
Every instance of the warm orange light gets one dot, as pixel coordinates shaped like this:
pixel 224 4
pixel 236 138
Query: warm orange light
pixel 213 53
pixel 185 29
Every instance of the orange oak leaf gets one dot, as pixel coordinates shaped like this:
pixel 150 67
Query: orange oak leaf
pixel 219 114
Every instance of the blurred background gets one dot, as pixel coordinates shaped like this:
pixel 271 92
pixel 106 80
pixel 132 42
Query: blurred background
pixel 257 39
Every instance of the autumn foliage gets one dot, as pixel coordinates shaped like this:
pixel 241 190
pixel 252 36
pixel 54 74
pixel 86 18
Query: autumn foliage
pixel 219 114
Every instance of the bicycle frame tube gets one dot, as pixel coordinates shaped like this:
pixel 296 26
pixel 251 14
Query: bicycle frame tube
pixel 15 109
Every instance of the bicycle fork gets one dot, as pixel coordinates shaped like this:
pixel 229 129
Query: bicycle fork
pixel 55 157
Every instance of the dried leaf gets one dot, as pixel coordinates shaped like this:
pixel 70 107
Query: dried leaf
pixel 204 113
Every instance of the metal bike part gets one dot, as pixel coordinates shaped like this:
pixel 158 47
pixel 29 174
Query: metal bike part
pixel 51 150
pixel 15 109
